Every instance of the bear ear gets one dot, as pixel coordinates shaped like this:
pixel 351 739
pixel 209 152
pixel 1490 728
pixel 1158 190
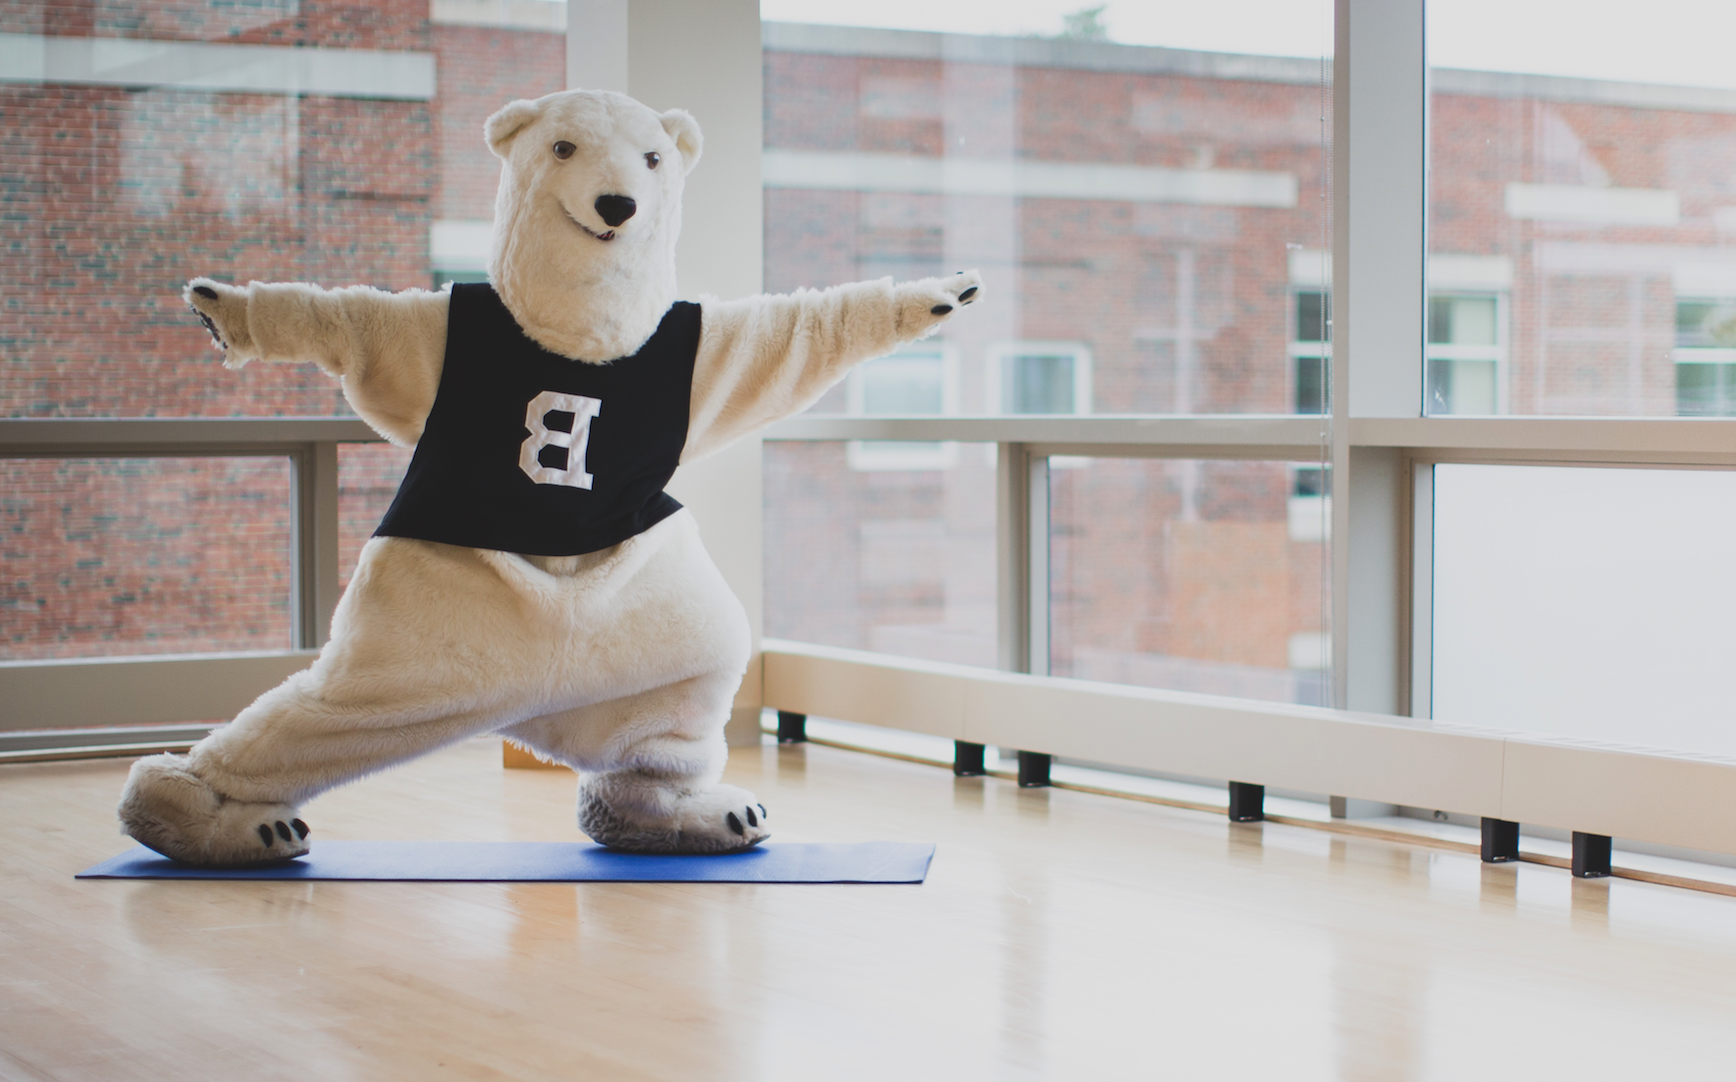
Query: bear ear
pixel 502 126
pixel 682 128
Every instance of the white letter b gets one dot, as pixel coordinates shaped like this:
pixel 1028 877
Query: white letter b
pixel 582 409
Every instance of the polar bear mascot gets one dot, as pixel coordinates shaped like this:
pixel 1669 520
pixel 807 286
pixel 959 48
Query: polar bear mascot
pixel 531 577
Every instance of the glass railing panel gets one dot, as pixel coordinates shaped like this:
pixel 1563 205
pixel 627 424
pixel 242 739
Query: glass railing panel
pixel 882 546
pixel 117 556
pixel 1584 602
pixel 1191 575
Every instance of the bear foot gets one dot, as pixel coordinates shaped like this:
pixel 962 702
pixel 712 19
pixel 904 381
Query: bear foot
pixel 720 819
pixel 172 810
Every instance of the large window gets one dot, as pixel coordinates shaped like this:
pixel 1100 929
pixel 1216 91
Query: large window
pixel 1586 162
pixel 1140 205
pixel 1582 262
pixel 150 143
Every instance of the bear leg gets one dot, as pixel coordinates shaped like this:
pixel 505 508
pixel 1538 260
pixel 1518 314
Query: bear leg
pixel 651 765
pixel 171 809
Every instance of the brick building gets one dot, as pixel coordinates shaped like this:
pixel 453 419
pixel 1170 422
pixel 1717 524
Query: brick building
pixel 1151 223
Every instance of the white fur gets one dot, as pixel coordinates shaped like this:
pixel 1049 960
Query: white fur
pixel 621 663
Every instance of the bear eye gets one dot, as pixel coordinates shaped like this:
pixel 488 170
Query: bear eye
pixel 652 158
pixel 564 150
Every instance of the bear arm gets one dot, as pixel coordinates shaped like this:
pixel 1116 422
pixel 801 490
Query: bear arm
pixel 393 385
pixel 386 348
pixel 765 358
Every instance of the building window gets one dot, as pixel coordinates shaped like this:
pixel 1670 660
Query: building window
pixel 918 381
pixel 1039 377
pixel 1310 505
pixel 1467 351
pixel 1310 348
pixel 1705 358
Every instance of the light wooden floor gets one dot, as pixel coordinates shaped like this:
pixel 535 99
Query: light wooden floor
pixel 1060 935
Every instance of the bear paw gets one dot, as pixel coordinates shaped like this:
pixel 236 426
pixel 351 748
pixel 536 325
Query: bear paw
pixel 167 807
pixel 223 311
pixel 721 819
pixel 944 296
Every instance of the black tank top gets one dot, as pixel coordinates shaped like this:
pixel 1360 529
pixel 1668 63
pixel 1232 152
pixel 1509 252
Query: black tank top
pixel 527 451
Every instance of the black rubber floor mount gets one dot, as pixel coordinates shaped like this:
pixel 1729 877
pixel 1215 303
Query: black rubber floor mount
pixel 967 759
pixel 792 727
pixel 1591 853
pixel 1247 802
pixel 1033 769
pixel 1500 841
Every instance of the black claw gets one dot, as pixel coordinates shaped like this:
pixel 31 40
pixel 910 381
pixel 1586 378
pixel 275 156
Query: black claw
pixel 968 294
pixel 302 830
pixel 941 309
pixel 735 824
pixel 266 836
pixel 763 813
pixel 751 821
pixel 209 326
pixel 205 291
pixel 283 830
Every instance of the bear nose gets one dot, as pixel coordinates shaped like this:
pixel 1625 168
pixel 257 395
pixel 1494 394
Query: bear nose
pixel 615 209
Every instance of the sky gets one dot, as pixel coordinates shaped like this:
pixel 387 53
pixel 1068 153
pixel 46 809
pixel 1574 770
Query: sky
pixel 1682 42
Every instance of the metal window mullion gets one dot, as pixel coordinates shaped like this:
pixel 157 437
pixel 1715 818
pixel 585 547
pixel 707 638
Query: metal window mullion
pixel 1422 589
pixel 1379 196
pixel 314 527
pixel 1037 565
pixel 1013 556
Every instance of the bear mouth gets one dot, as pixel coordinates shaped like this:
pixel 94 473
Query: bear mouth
pixel 604 237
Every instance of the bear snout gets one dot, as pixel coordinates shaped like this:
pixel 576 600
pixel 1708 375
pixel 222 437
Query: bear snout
pixel 615 209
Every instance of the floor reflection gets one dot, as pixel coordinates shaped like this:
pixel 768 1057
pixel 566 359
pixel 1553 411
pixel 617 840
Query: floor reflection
pixel 1378 988
pixel 1024 963
pixel 969 794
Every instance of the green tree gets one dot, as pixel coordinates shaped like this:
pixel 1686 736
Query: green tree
pixel 1086 24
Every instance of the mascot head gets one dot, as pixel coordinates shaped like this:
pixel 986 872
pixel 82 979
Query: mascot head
pixel 587 216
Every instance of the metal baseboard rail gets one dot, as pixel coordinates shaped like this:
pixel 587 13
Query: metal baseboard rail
pixel 107 742
pixel 1639 794
pixel 1333 826
pixel 93 751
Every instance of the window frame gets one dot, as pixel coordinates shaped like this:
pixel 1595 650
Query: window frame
pixel 1380 446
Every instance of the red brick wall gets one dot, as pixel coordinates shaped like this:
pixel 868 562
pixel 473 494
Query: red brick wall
pixel 480 70
pixel 144 556
pixel 1583 343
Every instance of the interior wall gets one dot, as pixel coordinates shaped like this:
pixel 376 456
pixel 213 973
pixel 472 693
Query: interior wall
pixel 702 56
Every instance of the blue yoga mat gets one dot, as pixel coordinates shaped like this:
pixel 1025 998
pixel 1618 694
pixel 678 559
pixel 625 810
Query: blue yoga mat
pixel 555 862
